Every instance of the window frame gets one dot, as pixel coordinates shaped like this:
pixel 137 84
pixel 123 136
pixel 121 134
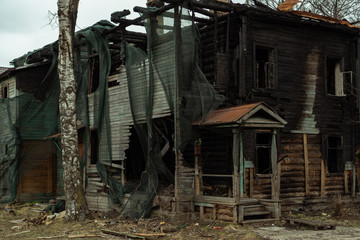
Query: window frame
pixel 5 90
pixel 269 47
pixel 263 146
pixel 339 81
pixel 339 151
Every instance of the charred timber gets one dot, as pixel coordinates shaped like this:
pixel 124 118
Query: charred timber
pixel 116 17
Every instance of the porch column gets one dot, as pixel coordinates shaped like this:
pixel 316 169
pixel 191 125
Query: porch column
pixel 242 166
pixel 276 186
pixel 236 156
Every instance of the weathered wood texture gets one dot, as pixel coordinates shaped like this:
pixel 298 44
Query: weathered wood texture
pixel 300 96
pixel 37 171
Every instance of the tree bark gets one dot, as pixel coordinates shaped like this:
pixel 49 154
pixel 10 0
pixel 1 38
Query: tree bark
pixel 76 206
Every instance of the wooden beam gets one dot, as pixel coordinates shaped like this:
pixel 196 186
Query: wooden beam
pixel 197 178
pixel 251 183
pixel 235 155
pixel 322 188
pixel 242 167
pixel 346 181
pixel 274 166
pixel 306 162
pixel 353 190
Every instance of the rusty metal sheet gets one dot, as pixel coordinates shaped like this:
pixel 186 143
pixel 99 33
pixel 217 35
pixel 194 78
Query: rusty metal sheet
pixel 287 5
pixel 323 18
pixel 227 115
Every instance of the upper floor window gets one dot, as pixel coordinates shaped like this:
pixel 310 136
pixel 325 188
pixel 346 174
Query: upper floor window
pixel 265 67
pixel 334 77
pixel 4 91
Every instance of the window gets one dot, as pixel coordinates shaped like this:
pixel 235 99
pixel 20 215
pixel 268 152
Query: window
pixel 263 152
pixel 334 154
pixel 93 74
pixel 265 68
pixel 4 91
pixel 334 77
pixel 94 138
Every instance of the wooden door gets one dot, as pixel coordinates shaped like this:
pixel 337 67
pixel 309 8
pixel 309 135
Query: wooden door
pixel 37 171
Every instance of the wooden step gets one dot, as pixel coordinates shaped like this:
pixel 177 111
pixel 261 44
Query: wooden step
pixel 256 213
pixel 265 220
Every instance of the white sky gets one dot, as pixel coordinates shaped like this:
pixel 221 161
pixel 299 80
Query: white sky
pixel 24 24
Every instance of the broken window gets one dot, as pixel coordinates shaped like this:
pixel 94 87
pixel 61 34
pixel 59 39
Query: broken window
pixel 334 154
pixel 263 153
pixel 5 91
pixel 265 67
pixel 94 147
pixel 93 73
pixel 334 77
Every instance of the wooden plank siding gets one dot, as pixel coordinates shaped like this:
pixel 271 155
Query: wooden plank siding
pixel 299 96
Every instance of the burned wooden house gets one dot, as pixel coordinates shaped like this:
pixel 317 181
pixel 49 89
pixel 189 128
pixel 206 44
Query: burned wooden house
pixel 226 110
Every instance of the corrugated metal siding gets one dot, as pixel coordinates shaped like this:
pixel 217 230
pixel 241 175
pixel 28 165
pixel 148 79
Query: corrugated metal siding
pixel 121 116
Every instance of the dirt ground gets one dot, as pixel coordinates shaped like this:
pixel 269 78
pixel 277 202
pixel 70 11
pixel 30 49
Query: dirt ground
pixel 32 224
pixel 27 221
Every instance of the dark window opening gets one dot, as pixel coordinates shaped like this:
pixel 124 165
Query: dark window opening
pixel 334 154
pixel 263 153
pixel 6 149
pixel 94 72
pixel 334 77
pixel 94 147
pixel 135 161
pixel 265 67
pixel 4 92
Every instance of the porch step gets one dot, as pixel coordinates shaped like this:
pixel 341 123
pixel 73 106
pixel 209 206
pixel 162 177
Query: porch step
pixel 266 220
pixel 256 213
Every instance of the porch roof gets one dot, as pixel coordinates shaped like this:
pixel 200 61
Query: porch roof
pixel 257 115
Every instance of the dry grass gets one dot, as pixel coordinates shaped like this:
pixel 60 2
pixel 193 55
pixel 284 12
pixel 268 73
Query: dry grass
pixel 29 229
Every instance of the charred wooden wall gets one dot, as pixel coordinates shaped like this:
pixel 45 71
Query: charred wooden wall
pixel 300 96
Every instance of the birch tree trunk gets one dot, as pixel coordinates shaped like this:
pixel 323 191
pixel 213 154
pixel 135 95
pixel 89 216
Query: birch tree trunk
pixel 76 207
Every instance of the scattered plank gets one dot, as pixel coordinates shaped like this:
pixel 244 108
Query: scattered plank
pixel 83 236
pixel 18 233
pixel 151 234
pixel 314 224
pixel 69 236
pixel 121 234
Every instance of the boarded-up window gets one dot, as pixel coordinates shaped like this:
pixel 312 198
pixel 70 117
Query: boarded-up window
pixel 263 153
pixel 334 154
pixel 334 77
pixel 265 67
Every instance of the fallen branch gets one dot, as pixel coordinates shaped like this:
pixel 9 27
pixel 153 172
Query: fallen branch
pixel 121 234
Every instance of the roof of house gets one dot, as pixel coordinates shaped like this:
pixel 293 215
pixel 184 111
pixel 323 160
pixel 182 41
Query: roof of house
pixel 3 69
pixel 242 115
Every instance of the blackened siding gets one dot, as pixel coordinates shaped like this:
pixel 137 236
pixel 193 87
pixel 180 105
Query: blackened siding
pixel 300 96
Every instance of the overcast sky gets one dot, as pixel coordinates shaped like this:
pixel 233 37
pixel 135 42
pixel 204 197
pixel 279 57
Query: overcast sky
pixel 24 24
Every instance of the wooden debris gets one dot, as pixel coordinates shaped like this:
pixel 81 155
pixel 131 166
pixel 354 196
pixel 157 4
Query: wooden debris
pixel 52 237
pixel 316 225
pixel 18 233
pixel 83 236
pixel 70 236
pixel 121 234
pixel 151 234
pixel 17 221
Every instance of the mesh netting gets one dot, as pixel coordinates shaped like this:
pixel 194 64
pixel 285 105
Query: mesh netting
pixel 171 60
